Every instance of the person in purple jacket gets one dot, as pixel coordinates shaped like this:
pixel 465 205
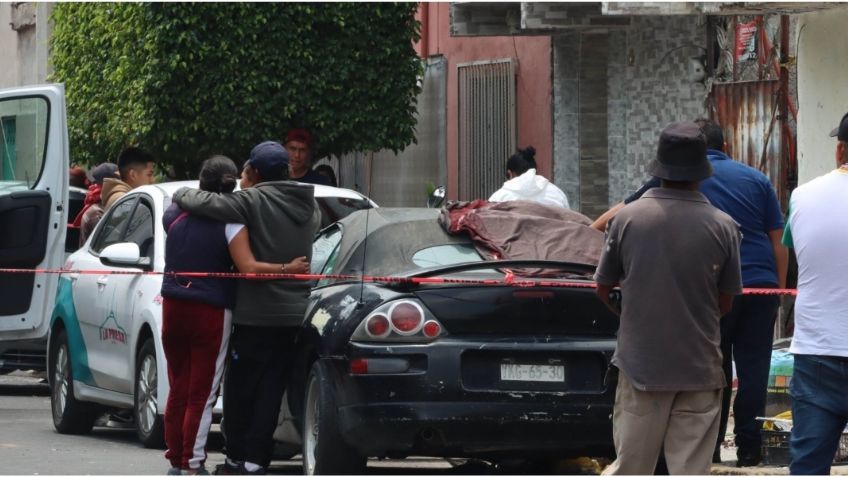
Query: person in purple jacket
pixel 196 315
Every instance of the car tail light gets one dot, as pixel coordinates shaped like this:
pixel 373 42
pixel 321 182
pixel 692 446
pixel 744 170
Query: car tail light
pixel 377 326
pixel 401 321
pixel 432 329
pixel 359 366
pixel 407 317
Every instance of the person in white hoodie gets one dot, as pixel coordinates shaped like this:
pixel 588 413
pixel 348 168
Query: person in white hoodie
pixel 525 184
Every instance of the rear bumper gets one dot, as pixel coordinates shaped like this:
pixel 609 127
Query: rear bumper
pixel 452 401
pixel 478 429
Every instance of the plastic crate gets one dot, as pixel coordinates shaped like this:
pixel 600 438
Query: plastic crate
pixel 776 448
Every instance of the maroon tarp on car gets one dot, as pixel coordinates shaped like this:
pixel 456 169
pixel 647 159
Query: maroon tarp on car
pixel 524 230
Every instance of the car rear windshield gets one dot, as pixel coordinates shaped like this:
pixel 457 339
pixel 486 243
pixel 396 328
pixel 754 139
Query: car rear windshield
pixel 334 209
pixel 448 254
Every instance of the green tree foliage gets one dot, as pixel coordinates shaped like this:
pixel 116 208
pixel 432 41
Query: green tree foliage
pixel 190 79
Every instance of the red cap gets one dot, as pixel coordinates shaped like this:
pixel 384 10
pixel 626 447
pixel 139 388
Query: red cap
pixel 299 135
pixel 77 177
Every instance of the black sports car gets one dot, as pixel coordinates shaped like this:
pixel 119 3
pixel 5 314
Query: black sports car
pixel 441 369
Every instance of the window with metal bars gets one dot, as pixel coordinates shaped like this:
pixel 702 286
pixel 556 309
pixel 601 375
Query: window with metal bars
pixel 487 133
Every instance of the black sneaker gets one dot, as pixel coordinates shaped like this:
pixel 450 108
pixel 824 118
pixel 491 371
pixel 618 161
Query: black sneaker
pixel 229 469
pixel 748 457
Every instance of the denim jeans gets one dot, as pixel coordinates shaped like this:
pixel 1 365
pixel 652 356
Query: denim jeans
pixel 747 333
pixel 819 390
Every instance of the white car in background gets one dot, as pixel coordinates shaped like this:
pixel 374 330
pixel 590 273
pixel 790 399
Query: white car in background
pixel 104 344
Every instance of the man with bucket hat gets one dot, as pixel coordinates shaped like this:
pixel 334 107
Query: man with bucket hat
pixel 817 229
pixel 283 218
pixel 676 260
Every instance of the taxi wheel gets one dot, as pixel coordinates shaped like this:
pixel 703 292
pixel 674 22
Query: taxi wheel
pixel 324 449
pixel 70 416
pixel 149 424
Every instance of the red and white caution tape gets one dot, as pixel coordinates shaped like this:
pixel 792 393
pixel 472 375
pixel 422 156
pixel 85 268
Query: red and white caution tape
pixel 510 279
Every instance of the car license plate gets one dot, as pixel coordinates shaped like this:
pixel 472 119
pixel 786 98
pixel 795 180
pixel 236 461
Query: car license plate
pixel 532 372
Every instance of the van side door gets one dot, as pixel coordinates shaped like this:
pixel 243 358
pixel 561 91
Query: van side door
pixel 33 216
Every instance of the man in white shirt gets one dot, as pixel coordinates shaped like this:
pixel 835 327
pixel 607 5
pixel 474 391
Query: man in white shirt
pixel 817 229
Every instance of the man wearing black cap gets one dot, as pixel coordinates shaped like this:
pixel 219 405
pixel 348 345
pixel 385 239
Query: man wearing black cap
pixel 747 332
pixel 817 230
pixel 283 218
pixel 676 259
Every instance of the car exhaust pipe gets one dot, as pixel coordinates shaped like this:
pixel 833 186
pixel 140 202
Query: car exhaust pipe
pixel 428 435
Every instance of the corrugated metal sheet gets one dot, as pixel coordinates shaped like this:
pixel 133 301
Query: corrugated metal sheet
pixel 748 113
pixel 487 132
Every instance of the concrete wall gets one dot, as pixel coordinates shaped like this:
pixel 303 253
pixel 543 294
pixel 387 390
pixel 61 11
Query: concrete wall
pixel 533 87
pixel 24 43
pixel 822 95
pixel 8 48
pixel 401 180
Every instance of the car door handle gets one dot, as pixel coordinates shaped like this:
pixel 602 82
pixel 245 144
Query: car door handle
pixel 101 281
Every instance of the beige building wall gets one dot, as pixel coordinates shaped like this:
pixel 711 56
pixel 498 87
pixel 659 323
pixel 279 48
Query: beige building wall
pixel 822 91
pixel 8 48
pixel 24 43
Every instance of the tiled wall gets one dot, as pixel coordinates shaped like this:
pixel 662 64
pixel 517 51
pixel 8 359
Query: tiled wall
pixel 649 87
pixel 566 124
pixel 645 85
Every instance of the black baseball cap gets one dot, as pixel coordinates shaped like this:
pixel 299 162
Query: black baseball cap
pixel 841 132
pixel 269 158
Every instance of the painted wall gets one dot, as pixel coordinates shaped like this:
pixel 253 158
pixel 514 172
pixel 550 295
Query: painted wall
pixel 533 86
pixel 822 95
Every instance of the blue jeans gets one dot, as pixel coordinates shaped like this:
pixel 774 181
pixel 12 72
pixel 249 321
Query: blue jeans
pixel 819 412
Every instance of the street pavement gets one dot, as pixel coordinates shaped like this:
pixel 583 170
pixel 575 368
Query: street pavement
pixel 30 446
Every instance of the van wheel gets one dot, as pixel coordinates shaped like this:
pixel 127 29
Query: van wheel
pixel 70 416
pixel 324 450
pixel 149 423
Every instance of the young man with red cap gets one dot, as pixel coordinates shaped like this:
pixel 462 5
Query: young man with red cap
pixel 299 145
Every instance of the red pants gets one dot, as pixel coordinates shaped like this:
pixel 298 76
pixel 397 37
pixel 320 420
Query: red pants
pixel 195 338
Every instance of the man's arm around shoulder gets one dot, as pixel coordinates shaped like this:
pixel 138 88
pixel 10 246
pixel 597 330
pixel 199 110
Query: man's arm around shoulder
pixel 231 208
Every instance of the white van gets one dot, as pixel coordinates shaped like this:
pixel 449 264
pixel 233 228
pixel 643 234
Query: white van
pixel 34 164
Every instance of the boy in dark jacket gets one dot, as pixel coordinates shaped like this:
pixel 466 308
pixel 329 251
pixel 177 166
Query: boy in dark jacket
pixel 282 217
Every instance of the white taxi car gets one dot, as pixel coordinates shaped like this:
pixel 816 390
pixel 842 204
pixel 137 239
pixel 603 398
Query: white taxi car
pixel 104 344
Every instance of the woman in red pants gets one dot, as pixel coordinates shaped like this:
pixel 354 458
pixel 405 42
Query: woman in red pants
pixel 196 318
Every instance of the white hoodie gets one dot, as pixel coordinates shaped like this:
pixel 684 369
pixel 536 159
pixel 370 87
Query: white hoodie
pixel 529 186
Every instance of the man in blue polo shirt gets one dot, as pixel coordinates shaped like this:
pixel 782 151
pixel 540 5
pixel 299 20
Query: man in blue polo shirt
pixel 747 332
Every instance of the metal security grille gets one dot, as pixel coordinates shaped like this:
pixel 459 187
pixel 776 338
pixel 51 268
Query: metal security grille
pixel 486 126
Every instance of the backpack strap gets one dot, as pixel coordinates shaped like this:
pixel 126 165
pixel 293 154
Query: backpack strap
pixel 179 219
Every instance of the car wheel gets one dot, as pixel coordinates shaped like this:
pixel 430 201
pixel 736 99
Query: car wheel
pixel 70 416
pixel 324 450
pixel 148 423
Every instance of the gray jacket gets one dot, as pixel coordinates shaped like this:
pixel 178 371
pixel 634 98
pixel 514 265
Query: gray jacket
pixel 282 218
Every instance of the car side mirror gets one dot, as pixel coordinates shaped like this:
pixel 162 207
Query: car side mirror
pixel 437 197
pixel 126 254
